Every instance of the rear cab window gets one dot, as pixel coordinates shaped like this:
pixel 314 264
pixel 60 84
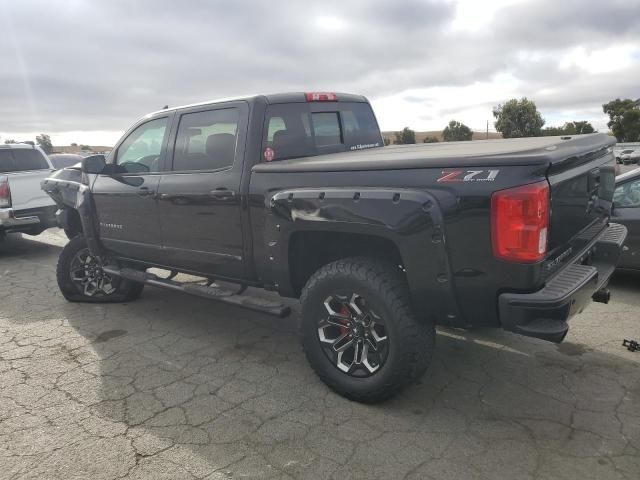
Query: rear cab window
pixel 294 130
pixel 21 160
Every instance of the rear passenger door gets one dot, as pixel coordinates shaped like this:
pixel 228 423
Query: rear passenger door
pixel 199 195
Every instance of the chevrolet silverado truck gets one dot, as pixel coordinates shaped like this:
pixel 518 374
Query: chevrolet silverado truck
pixel 295 193
pixel 24 207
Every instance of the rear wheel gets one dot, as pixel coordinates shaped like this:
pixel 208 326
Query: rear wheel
pixel 81 279
pixel 359 332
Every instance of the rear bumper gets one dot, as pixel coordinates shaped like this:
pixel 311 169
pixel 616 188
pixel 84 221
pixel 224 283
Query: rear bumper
pixel 544 314
pixel 26 221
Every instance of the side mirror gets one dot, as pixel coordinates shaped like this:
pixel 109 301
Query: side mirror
pixel 94 164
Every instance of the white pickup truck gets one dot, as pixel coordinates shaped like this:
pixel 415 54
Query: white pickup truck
pixel 24 207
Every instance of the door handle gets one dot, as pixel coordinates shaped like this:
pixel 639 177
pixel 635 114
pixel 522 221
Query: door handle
pixel 222 193
pixel 145 192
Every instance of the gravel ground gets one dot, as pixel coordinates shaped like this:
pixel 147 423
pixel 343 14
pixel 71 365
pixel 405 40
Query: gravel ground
pixel 173 386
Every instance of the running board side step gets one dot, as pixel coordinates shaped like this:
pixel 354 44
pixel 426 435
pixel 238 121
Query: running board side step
pixel 214 293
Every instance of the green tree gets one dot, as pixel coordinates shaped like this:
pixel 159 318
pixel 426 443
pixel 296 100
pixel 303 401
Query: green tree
pixel 430 140
pixel 85 147
pixel 624 119
pixel 9 141
pixel 581 127
pixel 387 141
pixel 456 132
pixel 553 131
pixel 404 137
pixel 44 141
pixel 74 144
pixel 518 118
pixel 569 128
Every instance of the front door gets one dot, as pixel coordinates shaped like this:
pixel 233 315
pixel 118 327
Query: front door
pixel 125 196
pixel 199 199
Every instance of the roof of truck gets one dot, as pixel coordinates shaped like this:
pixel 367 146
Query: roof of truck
pixel 18 145
pixel 515 151
pixel 273 98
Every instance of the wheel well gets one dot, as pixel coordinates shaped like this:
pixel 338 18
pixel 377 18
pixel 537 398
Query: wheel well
pixel 308 251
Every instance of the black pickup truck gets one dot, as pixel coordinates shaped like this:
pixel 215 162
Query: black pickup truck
pixel 296 193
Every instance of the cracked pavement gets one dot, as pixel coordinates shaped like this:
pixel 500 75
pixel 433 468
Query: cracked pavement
pixel 179 387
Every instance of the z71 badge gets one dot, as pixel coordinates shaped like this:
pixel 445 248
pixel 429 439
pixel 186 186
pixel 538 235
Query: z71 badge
pixel 454 176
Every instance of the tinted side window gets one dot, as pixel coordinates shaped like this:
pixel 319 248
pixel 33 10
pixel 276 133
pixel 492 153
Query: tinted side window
pixel 627 194
pixel 29 159
pixel 6 161
pixel 140 151
pixel 206 140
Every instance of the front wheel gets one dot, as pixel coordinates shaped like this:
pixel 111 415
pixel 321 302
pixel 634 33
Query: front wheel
pixel 81 279
pixel 359 332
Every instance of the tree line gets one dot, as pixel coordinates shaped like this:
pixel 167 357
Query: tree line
pixel 43 141
pixel 518 118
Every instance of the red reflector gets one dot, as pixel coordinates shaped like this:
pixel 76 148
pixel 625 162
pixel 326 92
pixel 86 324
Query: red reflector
pixel 5 192
pixel 321 97
pixel 520 223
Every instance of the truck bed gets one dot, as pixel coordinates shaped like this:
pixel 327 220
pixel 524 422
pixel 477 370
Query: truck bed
pixel 503 152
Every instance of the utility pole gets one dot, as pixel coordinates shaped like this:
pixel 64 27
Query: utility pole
pixel 487 129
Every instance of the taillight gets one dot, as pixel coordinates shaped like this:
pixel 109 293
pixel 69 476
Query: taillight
pixel 321 97
pixel 520 223
pixel 5 192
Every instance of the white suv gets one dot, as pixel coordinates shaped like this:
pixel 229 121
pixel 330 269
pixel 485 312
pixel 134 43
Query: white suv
pixel 24 207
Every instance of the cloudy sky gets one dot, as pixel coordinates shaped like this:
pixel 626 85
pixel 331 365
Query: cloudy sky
pixel 84 70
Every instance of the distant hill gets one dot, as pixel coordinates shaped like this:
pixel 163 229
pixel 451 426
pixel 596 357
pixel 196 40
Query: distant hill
pixel 78 149
pixel 420 136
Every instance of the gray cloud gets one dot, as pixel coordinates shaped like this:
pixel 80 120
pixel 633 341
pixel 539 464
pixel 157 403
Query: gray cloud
pixel 99 65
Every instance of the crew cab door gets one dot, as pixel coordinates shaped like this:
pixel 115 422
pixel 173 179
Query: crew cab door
pixel 125 195
pixel 199 197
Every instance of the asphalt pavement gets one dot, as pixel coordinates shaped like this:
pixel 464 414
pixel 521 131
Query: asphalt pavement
pixel 178 387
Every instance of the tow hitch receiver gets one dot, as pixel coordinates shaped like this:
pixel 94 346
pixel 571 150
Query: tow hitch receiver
pixel 602 296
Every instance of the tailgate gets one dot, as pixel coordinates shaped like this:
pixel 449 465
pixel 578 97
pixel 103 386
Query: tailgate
pixel 582 188
pixel 25 190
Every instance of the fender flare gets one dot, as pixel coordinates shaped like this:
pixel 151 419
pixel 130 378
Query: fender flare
pixel 71 195
pixel 411 219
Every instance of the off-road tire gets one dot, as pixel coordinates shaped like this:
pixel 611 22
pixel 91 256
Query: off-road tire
pixel 411 341
pixel 125 290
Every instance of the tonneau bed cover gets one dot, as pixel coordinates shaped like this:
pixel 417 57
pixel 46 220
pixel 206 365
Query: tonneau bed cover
pixel 517 151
